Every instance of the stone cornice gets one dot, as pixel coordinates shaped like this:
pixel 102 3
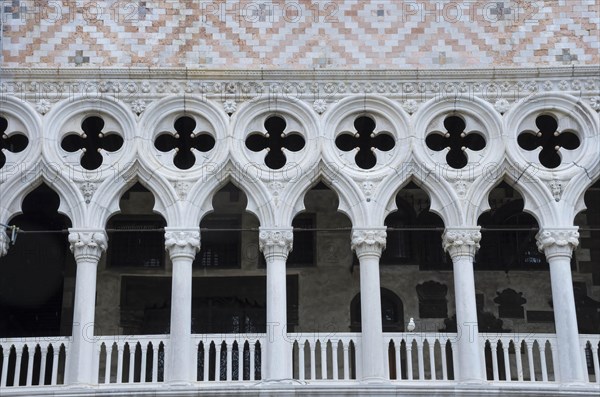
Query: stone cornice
pixel 301 74
pixel 139 86
pixel 87 245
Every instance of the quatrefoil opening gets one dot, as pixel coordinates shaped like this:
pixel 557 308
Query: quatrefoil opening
pixel 275 141
pixel 184 140
pixel 456 141
pixel 14 143
pixel 549 139
pixel 92 142
pixel 365 140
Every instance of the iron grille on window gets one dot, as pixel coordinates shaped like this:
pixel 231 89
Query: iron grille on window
pixel 136 243
pixel 221 240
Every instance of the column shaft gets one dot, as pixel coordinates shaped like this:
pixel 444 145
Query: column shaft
pixel 276 245
pixel 368 245
pixel 462 245
pixel 182 245
pixel 87 247
pixel 558 245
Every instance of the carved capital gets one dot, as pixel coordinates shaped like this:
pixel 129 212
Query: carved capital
pixel 561 242
pixel 182 242
pixel 4 240
pixel 461 241
pixel 87 245
pixel 368 241
pixel 276 242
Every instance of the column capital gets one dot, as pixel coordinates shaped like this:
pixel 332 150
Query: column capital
pixel 182 242
pixel 461 241
pixel 87 244
pixel 4 240
pixel 276 241
pixel 557 241
pixel 368 241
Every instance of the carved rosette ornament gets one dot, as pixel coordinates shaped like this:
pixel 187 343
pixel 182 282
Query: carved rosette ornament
pixel 276 242
pixel 87 245
pixel 461 241
pixel 557 242
pixel 182 242
pixel 3 242
pixel 368 241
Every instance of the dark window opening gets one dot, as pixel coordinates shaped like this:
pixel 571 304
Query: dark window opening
pixel 508 237
pixel 221 240
pixel 303 253
pixel 136 241
pixel 392 312
pixel 33 270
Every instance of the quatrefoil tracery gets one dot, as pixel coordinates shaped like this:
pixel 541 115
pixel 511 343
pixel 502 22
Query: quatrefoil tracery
pixel 275 141
pixel 456 140
pixel 549 139
pixel 183 141
pixel 92 142
pixel 14 143
pixel 365 140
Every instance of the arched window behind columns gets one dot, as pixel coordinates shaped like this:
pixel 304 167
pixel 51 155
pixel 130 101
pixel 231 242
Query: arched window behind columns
pixel 323 260
pixel 587 277
pixel 392 312
pixel 37 270
pixel 508 234
pixel 229 288
pixel 414 234
pixel 320 231
pixel 135 257
pixel 136 233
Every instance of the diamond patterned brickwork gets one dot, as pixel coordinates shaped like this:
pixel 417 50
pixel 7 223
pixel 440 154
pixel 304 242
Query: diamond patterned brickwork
pixel 322 34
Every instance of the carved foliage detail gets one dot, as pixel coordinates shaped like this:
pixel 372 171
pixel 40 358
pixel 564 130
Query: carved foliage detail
pixel 88 245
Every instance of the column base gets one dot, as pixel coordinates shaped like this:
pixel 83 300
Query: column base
pixel 179 383
pixel 374 380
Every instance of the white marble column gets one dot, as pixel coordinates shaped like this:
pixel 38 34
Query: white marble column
pixel 276 244
pixel 4 241
pixel 558 245
pixel 368 245
pixel 182 245
pixel 87 246
pixel 462 244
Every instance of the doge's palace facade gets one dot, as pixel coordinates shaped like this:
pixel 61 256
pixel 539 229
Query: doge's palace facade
pixel 367 97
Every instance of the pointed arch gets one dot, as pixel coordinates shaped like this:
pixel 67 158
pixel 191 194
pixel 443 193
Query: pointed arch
pixel 105 201
pixel 345 188
pixel 15 190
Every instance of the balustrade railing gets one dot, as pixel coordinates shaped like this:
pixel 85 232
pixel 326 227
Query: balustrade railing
pixel 316 357
pixel 229 357
pixel 33 361
pixel 590 345
pixel 131 359
pixel 420 356
pixel 520 357
pixel 320 356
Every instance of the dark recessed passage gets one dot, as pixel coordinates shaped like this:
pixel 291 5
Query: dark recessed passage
pixel 183 141
pixel 365 141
